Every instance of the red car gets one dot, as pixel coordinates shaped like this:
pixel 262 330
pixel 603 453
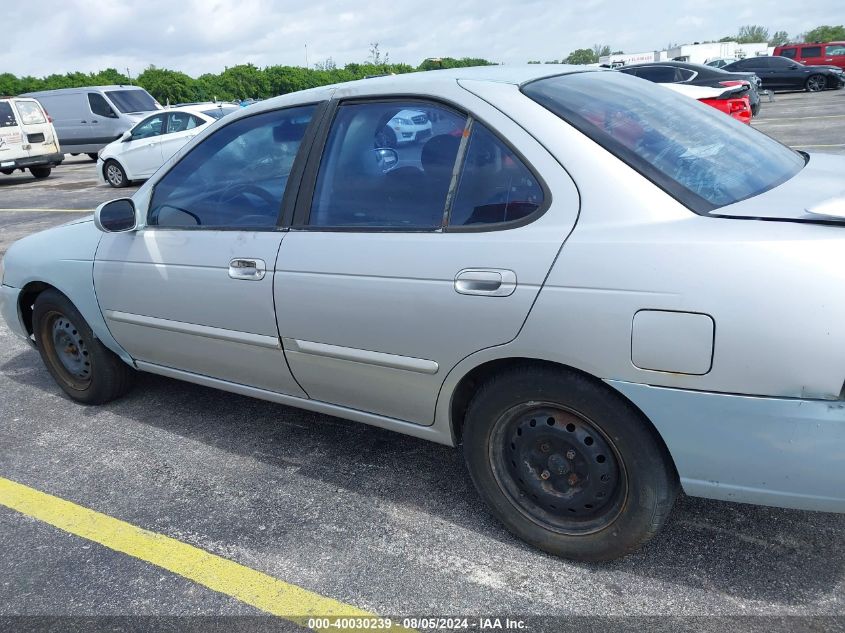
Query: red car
pixel 815 53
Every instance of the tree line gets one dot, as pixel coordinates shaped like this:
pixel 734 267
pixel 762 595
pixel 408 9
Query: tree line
pixel 236 82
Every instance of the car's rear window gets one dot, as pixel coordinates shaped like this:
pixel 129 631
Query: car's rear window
pixel 701 156
pixel 7 117
pixel 132 100
pixel 220 111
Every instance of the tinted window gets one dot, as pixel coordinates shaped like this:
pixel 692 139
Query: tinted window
pixel 30 113
pixel 153 126
pixel 779 63
pixel 835 49
pixel 234 178
pixel 684 74
pixel 495 185
pixel 696 153
pixel 387 165
pixel 811 51
pixel 658 74
pixel 133 100
pixel 788 52
pixel 99 105
pixel 182 121
pixel 7 117
pixel 751 63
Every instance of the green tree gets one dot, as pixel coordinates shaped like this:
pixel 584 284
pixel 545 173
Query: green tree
pixel 825 33
pixel 243 82
pixel 752 33
pixel 727 38
pixel 779 38
pixel 600 50
pixel 168 86
pixel 581 56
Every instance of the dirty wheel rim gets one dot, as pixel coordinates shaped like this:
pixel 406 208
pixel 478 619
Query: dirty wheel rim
pixel 558 468
pixel 816 83
pixel 114 174
pixel 68 351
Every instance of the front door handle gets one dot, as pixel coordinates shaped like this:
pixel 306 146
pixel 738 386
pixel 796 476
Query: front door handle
pixel 247 269
pixel 490 282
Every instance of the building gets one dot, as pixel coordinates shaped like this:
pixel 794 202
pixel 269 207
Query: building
pixel 695 53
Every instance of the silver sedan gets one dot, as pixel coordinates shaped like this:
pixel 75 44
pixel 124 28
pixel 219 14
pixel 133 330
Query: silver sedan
pixel 602 290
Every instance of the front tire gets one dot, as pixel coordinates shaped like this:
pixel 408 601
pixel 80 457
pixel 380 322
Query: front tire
pixel 566 464
pixel 83 367
pixel 816 83
pixel 40 172
pixel 114 174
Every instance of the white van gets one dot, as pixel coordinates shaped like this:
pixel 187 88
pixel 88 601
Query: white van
pixel 88 119
pixel 27 138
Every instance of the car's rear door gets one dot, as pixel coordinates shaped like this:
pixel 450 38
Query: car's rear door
pixel 36 127
pixel 181 128
pixel 192 290
pixel 400 265
pixel 835 54
pixel 812 54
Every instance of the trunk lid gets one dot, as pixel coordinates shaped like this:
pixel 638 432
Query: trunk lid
pixel 815 194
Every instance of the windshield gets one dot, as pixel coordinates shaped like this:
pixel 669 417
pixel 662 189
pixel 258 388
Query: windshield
pixel 133 101
pixel 696 153
pixel 220 111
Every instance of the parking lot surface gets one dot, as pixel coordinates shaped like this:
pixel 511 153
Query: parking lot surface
pixel 384 522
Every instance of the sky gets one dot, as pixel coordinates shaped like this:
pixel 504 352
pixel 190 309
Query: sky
pixel 198 36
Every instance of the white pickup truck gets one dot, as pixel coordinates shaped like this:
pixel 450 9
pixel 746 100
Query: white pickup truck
pixel 27 138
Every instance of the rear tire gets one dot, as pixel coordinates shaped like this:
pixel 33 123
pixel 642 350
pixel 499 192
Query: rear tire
pixel 567 464
pixel 816 83
pixel 40 172
pixel 83 367
pixel 114 174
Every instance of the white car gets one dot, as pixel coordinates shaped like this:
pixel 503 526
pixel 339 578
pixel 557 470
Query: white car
pixel 152 141
pixel 27 138
pixel 406 126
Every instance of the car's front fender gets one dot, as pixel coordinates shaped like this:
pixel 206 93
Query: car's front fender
pixel 61 257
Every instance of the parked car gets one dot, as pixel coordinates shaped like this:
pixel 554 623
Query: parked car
pixel 732 100
pixel 780 73
pixel 27 138
pixel 214 109
pixel 407 126
pixel 720 62
pixel 698 75
pixel 815 53
pixel 142 150
pixel 600 290
pixel 88 119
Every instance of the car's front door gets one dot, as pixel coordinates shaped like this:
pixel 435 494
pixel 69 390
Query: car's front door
pixel 140 154
pixel 193 289
pixel 403 261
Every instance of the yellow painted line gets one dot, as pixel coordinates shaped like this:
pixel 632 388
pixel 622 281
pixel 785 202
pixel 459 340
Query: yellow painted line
pixel 51 210
pixel 252 587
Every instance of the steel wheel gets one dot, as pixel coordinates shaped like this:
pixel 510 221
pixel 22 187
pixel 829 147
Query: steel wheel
pixel 69 351
pixel 816 83
pixel 558 468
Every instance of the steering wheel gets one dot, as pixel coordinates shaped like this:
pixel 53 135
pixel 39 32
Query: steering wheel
pixel 244 188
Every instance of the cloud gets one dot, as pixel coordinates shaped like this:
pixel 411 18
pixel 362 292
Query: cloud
pixel 198 36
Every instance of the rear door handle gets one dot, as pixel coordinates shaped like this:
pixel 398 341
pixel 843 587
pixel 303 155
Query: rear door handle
pixel 247 269
pixel 490 282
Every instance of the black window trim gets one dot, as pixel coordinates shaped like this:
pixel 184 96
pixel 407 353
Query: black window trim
pixel 109 104
pixel 291 187
pixel 305 197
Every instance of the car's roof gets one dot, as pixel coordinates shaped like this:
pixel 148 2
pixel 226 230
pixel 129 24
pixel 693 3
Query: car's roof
pixel 199 108
pixel 59 91
pixel 425 82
